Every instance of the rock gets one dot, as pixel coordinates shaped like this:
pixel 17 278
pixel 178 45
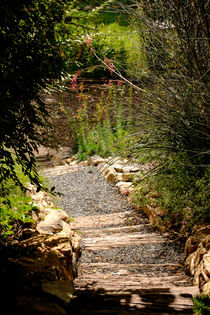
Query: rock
pixel 44 257
pixel 198 261
pixel 124 186
pixel 115 160
pixel 60 157
pixel 45 152
pixel 38 197
pixel 153 213
pixel 190 246
pixel 110 174
pixel 76 244
pixel 124 177
pixel 83 163
pixel 61 289
pixel 73 163
pixel 51 224
pixel 124 168
pixel 206 264
pixel 206 288
pixel 148 210
pixel 118 167
pixel 26 233
pixel 95 160
pixel 202 232
pixel 154 194
pixel 70 160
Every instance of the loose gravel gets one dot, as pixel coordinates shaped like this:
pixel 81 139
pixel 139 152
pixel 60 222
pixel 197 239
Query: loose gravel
pixel 87 193
pixel 137 254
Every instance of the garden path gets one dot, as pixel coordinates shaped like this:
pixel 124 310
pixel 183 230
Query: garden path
pixel 126 265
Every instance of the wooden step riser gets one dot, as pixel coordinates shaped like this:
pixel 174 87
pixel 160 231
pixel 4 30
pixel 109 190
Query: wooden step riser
pixel 99 220
pixel 113 231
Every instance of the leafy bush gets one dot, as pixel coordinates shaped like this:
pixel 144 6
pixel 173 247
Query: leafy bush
pixel 127 39
pixel 82 58
pixel 183 193
pixel 14 210
pixel 30 58
pixel 15 206
pixel 201 305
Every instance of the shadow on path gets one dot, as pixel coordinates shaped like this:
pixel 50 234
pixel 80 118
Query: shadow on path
pixel 142 301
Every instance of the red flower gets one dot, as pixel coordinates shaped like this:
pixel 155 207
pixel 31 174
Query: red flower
pixel 126 192
pixel 110 64
pixel 26 10
pixel 119 82
pixel 89 41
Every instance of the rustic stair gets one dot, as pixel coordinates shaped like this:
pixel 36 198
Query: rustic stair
pixel 114 288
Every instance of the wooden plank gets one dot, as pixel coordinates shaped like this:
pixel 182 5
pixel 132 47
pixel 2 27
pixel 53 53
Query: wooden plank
pixel 127 266
pixel 115 230
pixel 118 240
pixel 114 280
pixel 60 170
pixel 98 220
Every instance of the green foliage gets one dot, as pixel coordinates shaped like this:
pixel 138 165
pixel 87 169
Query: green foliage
pixel 173 113
pixel 183 193
pixel 30 59
pixel 15 206
pixel 201 305
pixel 104 132
pixel 81 56
pixel 133 62
pixel 13 210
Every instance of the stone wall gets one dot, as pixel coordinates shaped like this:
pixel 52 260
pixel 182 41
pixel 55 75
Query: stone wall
pixel 197 253
pixel 39 268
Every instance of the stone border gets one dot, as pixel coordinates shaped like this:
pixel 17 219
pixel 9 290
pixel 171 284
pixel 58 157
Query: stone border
pixel 120 172
pixel 43 262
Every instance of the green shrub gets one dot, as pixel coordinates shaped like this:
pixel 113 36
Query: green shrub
pixel 31 39
pixel 15 206
pixel 201 304
pixel 13 211
pixel 81 56
pixel 126 39
pixel 184 193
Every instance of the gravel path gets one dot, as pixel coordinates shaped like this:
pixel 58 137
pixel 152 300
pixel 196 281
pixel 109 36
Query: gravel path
pixel 128 255
pixel 87 193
